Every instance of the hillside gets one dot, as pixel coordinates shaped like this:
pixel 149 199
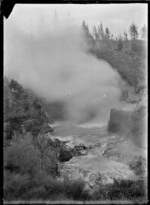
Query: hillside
pixel 31 158
pixel 23 111
pixel 130 61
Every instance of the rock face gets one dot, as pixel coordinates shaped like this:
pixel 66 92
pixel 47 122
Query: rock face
pixel 119 121
pixel 130 124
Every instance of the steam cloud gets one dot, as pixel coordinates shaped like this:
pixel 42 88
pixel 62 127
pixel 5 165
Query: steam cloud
pixel 55 65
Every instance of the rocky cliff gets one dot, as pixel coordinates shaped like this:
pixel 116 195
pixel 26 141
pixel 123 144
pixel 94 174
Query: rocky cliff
pixel 130 124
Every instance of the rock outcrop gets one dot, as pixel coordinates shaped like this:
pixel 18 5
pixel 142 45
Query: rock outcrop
pixel 101 163
pixel 130 124
pixel 96 170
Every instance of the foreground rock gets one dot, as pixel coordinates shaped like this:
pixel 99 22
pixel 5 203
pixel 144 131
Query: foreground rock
pixel 96 170
pixel 101 162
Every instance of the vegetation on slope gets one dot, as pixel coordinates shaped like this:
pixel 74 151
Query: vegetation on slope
pixel 128 63
pixel 23 112
pixel 126 55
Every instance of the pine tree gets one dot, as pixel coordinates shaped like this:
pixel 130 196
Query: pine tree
pixel 107 33
pixel 143 32
pixel 85 29
pixel 120 43
pixel 133 31
pixel 101 31
pixel 95 33
pixel 125 36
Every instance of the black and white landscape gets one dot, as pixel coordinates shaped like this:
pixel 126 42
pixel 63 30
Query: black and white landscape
pixel 75 103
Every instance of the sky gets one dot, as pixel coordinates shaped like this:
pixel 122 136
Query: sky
pixel 117 17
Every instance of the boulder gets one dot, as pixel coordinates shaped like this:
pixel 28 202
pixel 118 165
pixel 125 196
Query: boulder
pixel 66 152
pixel 65 155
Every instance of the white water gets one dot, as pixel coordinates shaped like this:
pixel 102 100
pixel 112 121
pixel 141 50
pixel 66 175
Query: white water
pixel 68 129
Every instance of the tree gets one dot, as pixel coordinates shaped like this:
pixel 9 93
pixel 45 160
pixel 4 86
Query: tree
pixel 21 157
pixel 85 29
pixel 125 36
pixel 134 46
pixel 101 31
pixel 120 43
pixel 133 31
pixel 95 33
pixel 143 32
pixel 107 33
pixel 48 155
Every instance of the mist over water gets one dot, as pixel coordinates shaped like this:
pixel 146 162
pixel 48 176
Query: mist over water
pixel 54 64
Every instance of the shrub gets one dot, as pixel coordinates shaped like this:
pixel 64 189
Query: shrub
pixel 29 154
pixel 15 185
pixel 138 165
pixel 44 186
pixel 134 47
pixel 138 189
pixel 127 189
pixel 41 186
pixel 120 45
pixel 22 157
pixel 75 190
pixel 101 193
pixel 50 164
pixel 122 189
pixel 48 154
